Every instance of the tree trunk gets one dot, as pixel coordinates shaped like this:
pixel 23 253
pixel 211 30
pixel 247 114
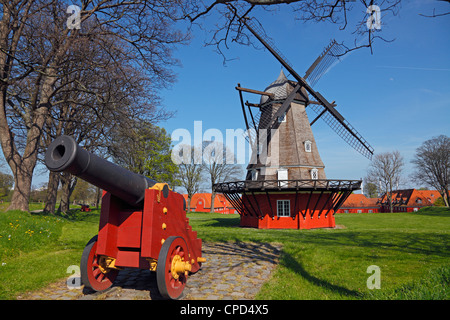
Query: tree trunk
pixel 446 197
pixel 22 189
pixel 67 188
pixel 52 192
pixel 213 196
pixel 98 196
pixel 64 202
pixel 188 203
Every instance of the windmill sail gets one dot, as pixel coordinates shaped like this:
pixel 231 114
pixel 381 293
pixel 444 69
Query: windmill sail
pixel 332 117
pixel 323 63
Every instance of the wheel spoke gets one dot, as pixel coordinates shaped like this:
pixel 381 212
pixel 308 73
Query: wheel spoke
pixel 101 277
pixel 91 273
pixel 96 272
pixel 173 282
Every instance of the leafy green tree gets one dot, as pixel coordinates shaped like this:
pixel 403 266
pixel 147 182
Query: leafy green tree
pixel 145 149
pixel 370 190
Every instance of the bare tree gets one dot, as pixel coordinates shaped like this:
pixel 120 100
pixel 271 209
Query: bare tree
pixel 219 165
pixel 386 170
pixel 439 14
pixel 190 175
pixel 142 32
pixel 432 165
pixel 343 13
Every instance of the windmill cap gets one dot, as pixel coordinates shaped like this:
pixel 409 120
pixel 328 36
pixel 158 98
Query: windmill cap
pixel 281 88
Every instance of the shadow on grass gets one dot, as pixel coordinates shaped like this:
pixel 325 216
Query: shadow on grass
pixel 291 263
pixel 224 222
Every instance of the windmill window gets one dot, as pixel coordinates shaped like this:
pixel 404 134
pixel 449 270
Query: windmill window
pixel 282 118
pixel 314 174
pixel 284 208
pixel 308 146
pixel 254 175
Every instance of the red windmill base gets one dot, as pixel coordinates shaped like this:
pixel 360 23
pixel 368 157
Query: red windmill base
pixel 288 204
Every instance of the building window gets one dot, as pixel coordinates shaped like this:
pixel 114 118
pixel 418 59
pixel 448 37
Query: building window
pixel 416 209
pixel 282 118
pixel 254 175
pixel 345 211
pixel 284 208
pixel 314 174
pixel 308 146
pixel 370 211
pixel 359 211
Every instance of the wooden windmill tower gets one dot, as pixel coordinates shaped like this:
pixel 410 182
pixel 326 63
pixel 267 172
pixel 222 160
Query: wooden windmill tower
pixel 286 185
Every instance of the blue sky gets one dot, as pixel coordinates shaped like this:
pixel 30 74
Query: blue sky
pixel 396 98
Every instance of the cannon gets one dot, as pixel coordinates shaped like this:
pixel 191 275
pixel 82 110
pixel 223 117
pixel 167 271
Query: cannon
pixel 143 223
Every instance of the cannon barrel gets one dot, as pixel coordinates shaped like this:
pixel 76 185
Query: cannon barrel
pixel 64 154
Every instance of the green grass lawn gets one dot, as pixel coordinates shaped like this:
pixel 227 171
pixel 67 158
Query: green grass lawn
pixel 410 249
pixel 37 249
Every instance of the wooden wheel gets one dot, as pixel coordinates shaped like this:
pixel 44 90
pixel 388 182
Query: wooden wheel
pixel 172 268
pixel 93 274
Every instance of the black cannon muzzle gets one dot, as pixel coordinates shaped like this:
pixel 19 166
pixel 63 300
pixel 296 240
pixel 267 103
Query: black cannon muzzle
pixel 64 154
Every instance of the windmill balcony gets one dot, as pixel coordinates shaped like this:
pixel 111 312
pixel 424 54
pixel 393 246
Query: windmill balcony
pixel 304 184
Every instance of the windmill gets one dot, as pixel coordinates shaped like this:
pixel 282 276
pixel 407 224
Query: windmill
pixel 286 185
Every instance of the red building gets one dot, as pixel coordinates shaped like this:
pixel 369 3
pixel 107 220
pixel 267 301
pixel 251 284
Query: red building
pixel 289 210
pixel 201 202
pixel 409 200
pixel 359 203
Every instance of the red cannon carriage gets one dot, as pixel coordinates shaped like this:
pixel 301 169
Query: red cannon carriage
pixel 143 223
pixel 85 208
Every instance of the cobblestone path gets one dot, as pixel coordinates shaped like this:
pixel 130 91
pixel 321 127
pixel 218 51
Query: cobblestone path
pixel 233 270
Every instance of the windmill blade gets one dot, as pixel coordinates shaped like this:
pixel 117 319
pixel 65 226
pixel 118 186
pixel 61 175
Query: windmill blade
pixel 284 107
pixel 346 131
pixel 322 64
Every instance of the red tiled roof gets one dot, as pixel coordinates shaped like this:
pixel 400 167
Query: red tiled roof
pixel 412 197
pixel 357 200
pixel 219 201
